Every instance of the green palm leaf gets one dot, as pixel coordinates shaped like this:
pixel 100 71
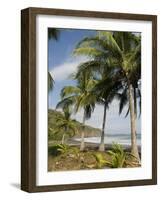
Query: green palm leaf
pixel 50 82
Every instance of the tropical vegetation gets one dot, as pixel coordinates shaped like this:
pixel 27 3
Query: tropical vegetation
pixel 119 52
pixel 112 71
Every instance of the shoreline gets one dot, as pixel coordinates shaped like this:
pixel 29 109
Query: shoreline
pixel 92 145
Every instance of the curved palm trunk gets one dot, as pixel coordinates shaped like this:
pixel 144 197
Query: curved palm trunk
pixel 82 145
pixel 102 144
pixel 134 148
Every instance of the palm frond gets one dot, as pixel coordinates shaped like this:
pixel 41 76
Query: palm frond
pixel 95 41
pixel 90 52
pixel 53 33
pixel 50 82
pixel 66 102
pixel 88 109
pixel 123 100
pixel 128 110
pixel 69 91
pixel 113 47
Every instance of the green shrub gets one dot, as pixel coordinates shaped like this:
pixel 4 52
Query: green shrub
pixel 118 156
pixel 62 148
pixel 101 161
pixel 57 149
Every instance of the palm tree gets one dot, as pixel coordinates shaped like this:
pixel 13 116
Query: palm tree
pixel 123 48
pixel 64 123
pixel 81 98
pixel 105 88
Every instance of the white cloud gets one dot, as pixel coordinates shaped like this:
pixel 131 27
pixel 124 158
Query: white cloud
pixel 62 72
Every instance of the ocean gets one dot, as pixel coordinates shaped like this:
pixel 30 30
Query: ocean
pixel 123 139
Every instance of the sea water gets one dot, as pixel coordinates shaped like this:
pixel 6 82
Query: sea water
pixel 123 139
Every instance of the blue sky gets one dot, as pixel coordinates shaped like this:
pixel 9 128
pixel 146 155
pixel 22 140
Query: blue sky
pixel 61 64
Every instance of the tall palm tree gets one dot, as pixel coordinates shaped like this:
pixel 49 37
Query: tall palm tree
pixel 105 89
pixel 81 98
pixel 124 49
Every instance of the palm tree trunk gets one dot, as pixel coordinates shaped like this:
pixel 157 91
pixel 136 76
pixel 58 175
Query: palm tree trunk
pixel 63 138
pixel 135 103
pixel 102 144
pixel 134 148
pixel 135 107
pixel 82 145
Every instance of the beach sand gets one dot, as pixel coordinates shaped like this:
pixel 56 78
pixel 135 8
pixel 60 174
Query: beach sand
pixel 94 146
pixel 90 145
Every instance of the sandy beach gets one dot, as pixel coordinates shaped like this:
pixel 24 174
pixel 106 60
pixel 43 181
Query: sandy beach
pixel 93 146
